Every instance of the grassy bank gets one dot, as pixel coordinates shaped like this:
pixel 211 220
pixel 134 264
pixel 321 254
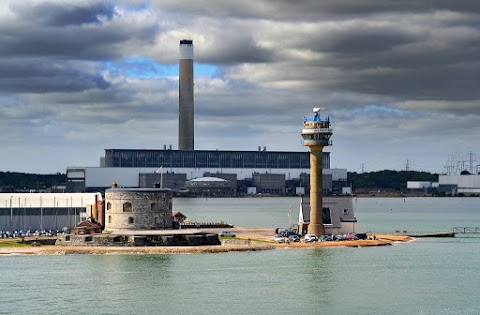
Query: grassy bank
pixel 13 243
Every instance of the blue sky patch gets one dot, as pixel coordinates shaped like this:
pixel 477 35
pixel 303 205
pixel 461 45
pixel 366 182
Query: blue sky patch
pixel 146 68
pixel 380 110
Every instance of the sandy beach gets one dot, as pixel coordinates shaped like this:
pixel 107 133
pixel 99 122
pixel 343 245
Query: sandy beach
pixel 248 239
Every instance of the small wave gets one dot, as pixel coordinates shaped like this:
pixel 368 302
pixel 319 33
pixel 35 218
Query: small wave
pixel 17 254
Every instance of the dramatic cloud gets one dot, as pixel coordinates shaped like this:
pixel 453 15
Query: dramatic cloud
pixel 398 78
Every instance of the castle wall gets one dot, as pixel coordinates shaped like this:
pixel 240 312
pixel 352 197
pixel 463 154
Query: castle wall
pixel 138 209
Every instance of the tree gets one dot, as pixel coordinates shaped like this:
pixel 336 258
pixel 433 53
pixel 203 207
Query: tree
pixel 388 179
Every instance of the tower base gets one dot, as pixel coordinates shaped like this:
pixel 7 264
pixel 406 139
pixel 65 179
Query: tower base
pixel 316 229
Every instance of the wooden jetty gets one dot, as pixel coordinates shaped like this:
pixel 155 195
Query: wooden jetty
pixel 455 231
pixel 434 234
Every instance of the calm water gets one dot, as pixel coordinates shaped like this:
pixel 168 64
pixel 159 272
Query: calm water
pixel 428 276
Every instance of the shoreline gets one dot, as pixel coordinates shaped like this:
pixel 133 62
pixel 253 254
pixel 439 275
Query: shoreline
pixel 248 239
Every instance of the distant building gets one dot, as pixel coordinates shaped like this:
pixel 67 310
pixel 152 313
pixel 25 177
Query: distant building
pixel 173 168
pixel 87 227
pixel 48 211
pixel 268 183
pixel 211 186
pixel 210 159
pixel 231 177
pixel 418 185
pixel 459 184
pixel 167 180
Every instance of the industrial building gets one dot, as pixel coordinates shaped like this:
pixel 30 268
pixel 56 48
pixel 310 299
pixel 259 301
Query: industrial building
pixel 292 172
pixel 47 211
pixel 468 184
pixel 211 186
pixel 258 171
pixel 464 184
pixel 208 159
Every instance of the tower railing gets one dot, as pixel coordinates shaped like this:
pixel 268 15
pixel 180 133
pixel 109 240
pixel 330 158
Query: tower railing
pixel 317 130
pixel 324 142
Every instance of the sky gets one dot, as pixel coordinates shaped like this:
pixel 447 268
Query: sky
pixel 400 80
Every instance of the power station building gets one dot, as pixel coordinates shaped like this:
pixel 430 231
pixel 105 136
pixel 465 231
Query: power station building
pixel 174 168
pixel 262 171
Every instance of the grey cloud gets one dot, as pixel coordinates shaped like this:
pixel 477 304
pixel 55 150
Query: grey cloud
pixel 235 49
pixel 145 100
pixel 362 40
pixel 51 14
pixel 65 32
pixel 43 76
pixel 458 82
pixel 422 61
pixel 311 10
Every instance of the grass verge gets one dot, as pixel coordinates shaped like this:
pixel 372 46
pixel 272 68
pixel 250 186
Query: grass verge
pixel 13 243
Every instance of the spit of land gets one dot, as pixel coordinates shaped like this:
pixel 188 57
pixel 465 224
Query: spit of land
pixel 247 239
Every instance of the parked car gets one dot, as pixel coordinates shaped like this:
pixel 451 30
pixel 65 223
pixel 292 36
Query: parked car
pixel 290 233
pixel 226 234
pixel 329 238
pixel 350 237
pixel 280 231
pixel 294 238
pixel 310 238
pixel 361 236
pixel 279 238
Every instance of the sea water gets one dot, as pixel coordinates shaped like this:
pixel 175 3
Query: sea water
pixel 426 276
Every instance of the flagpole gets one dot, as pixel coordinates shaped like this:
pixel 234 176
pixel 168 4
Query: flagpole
pixel 290 216
pixel 161 176
pixel 160 169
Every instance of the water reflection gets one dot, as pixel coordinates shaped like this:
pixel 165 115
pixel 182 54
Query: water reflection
pixel 318 277
pixel 122 276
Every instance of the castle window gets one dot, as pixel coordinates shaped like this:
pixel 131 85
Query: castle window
pixel 153 206
pixel 109 219
pixel 109 206
pixel 130 220
pixel 127 207
pixel 345 211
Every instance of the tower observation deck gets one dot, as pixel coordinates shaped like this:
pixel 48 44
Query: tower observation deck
pixel 316 134
pixel 316 130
